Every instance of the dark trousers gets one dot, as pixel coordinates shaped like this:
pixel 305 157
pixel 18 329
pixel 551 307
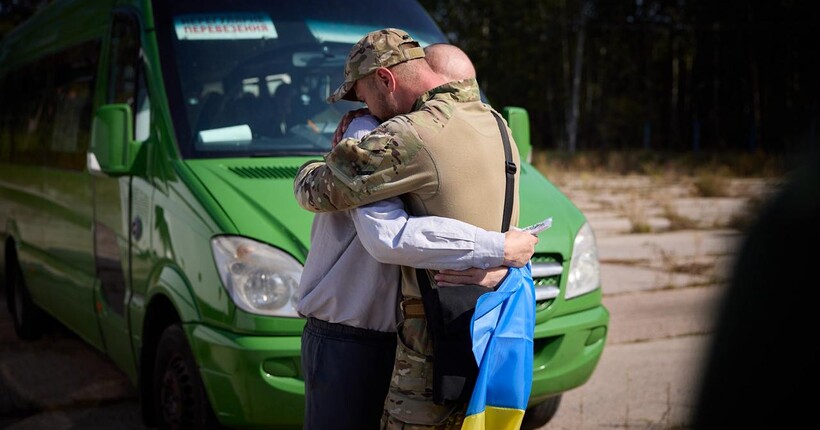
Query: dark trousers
pixel 347 373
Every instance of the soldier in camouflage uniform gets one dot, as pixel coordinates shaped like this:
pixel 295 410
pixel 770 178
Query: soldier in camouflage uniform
pixel 440 149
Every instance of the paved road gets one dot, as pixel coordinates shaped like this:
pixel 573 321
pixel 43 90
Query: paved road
pixel 60 382
pixel 659 330
pixel 661 290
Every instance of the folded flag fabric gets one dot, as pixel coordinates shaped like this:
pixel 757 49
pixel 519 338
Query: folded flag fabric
pixel 502 329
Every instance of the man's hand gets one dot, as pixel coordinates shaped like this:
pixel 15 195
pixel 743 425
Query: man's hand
pixel 489 278
pixel 519 246
pixel 345 122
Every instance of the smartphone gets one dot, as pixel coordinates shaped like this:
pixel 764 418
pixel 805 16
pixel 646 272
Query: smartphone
pixel 538 227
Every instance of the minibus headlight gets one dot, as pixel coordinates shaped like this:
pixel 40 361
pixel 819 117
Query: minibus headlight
pixel 259 278
pixel 584 268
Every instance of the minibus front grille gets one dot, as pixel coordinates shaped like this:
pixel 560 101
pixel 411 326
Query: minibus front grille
pixel 546 275
pixel 256 172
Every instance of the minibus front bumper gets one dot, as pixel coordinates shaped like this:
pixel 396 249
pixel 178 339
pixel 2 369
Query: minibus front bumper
pixel 566 351
pixel 252 381
pixel 255 381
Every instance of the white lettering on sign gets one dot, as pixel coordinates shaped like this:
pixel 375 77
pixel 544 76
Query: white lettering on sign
pixel 225 26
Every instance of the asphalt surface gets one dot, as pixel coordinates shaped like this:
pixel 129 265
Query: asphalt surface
pixel 60 382
pixel 661 289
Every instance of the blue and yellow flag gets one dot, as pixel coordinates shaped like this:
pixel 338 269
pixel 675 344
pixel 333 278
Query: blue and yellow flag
pixel 502 329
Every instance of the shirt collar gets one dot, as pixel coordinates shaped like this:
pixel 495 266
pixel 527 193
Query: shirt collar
pixel 465 90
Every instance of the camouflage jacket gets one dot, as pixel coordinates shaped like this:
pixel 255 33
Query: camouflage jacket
pixel 356 172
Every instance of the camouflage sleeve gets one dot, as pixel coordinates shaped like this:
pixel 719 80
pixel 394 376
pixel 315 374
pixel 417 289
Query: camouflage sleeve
pixel 359 172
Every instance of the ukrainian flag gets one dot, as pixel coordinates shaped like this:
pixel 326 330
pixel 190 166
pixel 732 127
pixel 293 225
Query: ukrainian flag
pixel 502 330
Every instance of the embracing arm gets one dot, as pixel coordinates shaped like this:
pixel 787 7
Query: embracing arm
pixel 392 236
pixel 388 162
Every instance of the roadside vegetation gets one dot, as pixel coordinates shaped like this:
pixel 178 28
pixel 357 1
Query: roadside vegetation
pixel 662 188
pixel 708 168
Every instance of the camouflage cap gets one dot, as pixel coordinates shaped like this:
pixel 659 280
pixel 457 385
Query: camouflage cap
pixel 381 48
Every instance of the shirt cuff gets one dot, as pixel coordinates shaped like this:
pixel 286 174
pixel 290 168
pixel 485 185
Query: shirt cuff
pixel 489 249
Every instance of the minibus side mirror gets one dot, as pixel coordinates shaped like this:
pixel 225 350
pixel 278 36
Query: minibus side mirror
pixel 519 121
pixel 113 148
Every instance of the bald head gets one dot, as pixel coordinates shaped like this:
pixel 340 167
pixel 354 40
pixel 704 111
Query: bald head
pixel 449 61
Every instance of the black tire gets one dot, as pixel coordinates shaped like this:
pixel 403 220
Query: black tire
pixel 28 317
pixel 179 396
pixel 540 414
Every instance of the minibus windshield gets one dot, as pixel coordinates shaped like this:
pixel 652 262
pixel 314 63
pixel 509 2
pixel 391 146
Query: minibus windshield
pixel 251 78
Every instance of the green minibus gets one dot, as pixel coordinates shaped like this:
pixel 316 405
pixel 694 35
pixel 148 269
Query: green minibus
pixel 147 155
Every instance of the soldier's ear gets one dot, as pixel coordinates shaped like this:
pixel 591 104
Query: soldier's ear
pixel 385 79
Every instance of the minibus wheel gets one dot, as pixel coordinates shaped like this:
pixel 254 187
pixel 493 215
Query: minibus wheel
pixel 28 318
pixel 179 394
pixel 538 415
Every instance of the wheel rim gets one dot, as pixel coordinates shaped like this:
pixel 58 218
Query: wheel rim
pixel 175 393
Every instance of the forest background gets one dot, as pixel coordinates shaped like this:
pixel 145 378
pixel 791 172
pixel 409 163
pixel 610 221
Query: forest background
pixel 631 85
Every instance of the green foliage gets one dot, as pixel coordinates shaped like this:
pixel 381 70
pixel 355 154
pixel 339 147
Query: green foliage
pixel 662 75
pixel 519 49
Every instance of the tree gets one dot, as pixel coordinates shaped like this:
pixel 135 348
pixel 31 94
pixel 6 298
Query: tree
pixel 676 75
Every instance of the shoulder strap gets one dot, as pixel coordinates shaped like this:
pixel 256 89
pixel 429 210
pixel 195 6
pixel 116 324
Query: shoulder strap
pixel 510 168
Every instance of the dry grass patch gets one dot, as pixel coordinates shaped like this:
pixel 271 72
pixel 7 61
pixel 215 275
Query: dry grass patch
pixel 743 219
pixel 711 185
pixel 554 163
pixel 636 213
pixel 676 220
pixel 694 264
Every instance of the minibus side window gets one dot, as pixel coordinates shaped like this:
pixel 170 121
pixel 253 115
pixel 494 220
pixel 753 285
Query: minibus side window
pixel 29 119
pixel 5 120
pixel 48 119
pixel 126 81
pixel 71 104
pixel 142 115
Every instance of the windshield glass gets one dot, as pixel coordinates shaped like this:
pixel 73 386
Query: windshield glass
pixel 251 78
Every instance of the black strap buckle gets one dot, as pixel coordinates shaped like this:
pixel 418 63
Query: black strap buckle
pixel 511 167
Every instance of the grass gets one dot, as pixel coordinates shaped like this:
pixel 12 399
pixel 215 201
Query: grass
pixel 743 220
pixel 710 184
pixel 702 176
pixel 677 221
pixel 707 167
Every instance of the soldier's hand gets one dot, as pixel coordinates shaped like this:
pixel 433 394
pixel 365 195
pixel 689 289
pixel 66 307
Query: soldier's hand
pixel 489 278
pixel 345 122
pixel 519 246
